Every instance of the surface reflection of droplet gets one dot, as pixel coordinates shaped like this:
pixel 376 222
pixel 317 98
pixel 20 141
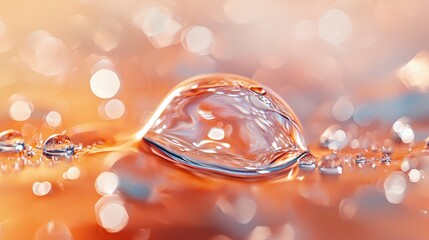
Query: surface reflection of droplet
pixel 334 137
pixel 58 145
pixel 331 165
pixel 242 210
pixel 250 132
pixel 45 53
pixel 11 141
pixel 53 231
pixel 307 163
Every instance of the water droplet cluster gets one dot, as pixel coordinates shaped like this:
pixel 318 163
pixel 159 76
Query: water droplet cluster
pixel 15 154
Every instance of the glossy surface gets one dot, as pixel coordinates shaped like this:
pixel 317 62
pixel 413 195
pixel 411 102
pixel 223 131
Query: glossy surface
pixel 227 124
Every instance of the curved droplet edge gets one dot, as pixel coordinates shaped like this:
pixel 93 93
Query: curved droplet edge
pixel 58 153
pixel 6 148
pixel 214 169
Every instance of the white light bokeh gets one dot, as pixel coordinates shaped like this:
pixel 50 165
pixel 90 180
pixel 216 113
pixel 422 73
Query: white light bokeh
pixel 198 40
pixel 53 119
pixel 305 30
pixel 45 54
pixel 111 213
pixel 405 165
pixel 334 137
pixel 335 26
pixel 105 83
pixel 108 34
pixel 415 74
pixel 20 110
pixel 106 183
pixel 354 144
pixel 395 186
pixel 153 21
pixel 403 130
pixel 112 217
pixel 72 173
pixel 342 110
pixel 114 109
pixel 159 24
pixel 240 11
pixel 41 188
pixel 414 175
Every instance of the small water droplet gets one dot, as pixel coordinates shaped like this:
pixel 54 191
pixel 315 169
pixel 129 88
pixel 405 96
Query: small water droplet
pixel 402 130
pixel 385 158
pixel 58 145
pixel 360 158
pixel 260 134
pixel 331 165
pixel 307 163
pixel 11 141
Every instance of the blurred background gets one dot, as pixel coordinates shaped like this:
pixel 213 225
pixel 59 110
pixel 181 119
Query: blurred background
pixel 351 62
pixel 352 70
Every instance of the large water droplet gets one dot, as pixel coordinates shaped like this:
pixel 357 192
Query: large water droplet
pixel 226 124
pixel 58 145
pixel 11 141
